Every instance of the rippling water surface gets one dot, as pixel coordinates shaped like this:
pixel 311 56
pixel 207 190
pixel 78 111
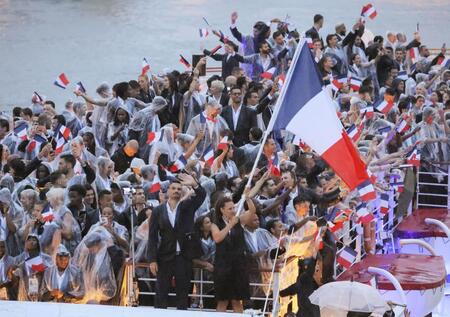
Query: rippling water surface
pixel 98 40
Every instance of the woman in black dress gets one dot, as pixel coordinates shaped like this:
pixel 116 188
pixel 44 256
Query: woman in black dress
pixel 230 269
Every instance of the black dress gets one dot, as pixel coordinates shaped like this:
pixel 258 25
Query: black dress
pixel 230 270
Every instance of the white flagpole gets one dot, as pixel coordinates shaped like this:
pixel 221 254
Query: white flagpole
pixel 272 119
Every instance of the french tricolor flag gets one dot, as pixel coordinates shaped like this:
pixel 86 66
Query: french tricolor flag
pixel 274 166
pixel 185 62
pixel 444 61
pixel 366 191
pixel 281 80
pixel 403 126
pixel 268 74
pixel 372 177
pixel 155 136
pixel 145 66
pixel 396 182
pixel 414 54
pixel 309 41
pixel 62 81
pixel 368 110
pixel 413 157
pixel 403 75
pixel 354 132
pixel 36 98
pixel 21 131
pixel 346 257
pixel 385 104
pixel 179 164
pixel 47 214
pixel 80 87
pixel 333 227
pixel 65 131
pixel 156 184
pixel 223 144
pixel 203 32
pixel 35 143
pixel 35 264
pixel 208 155
pixel 338 82
pixel 355 83
pixel 215 49
pixel 364 216
pixel 368 11
pixel 384 206
pixel 307 111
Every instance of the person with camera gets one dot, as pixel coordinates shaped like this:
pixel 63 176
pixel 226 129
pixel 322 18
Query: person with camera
pixel 171 229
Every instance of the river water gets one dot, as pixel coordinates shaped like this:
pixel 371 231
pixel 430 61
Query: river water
pixel 105 40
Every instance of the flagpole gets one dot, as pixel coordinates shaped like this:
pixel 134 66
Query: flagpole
pixel 272 121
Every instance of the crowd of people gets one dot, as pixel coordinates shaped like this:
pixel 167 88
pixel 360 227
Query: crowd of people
pixel 155 168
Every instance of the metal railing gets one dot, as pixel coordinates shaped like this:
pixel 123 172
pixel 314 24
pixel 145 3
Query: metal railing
pixel 433 185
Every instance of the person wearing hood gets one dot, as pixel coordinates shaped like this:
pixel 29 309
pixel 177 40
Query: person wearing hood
pixel 63 281
pixel 10 220
pixel 104 174
pixel 7 291
pixel 91 143
pixel 29 268
pixel 72 121
pixel 117 134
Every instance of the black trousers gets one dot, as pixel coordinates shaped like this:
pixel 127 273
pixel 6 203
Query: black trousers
pixel 181 269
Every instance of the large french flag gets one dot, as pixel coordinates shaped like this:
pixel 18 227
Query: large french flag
pixel 307 111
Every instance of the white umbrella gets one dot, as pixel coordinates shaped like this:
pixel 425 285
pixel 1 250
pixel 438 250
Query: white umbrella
pixel 349 296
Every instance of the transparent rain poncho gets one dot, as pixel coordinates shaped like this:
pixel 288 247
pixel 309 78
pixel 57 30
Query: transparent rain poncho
pixel 92 257
pixel 71 283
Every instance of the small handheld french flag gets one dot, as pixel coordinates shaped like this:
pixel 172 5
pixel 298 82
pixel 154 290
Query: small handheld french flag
pixel 403 126
pixel 203 32
pixel 36 98
pixel 364 216
pixel 156 184
pixel 274 166
pixel 145 66
pixel 366 191
pixel 414 54
pixel 268 74
pixel 35 143
pixel 185 62
pixel 403 75
pixel 384 206
pixel 47 214
pixel 152 136
pixel 368 11
pixel 413 157
pixel 346 257
pixel 208 155
pixel 385 104
pixel 35 264
pixel 355 83
pixel 62 81
pixel 80 87
pixel 338 82
pixel 309 41
pixel 21 131
pixel 215 49
pixel 223 144
pixel 354 132
pixel 179 164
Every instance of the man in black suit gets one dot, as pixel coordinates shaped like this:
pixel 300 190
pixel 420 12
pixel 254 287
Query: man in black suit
pixel 171 225
pixel 229 60
pixel 240 118
pixel 313 32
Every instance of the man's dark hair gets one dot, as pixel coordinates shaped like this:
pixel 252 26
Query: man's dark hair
pixel 27 112
pixel 276 34
pixel 79 189
pixel 51 103
pixel 4 124
pixel 378 39
pixel 271 224
pixel 256 133
pixel 301 198
pixel 260 45
pixel 134 84
pixel 60 118
pixel 121 89
pixel 317 18
pixel 103 193
pixel 235 87
pixel 69 158
pixel 211 79
pixel 16 111
pixel 17 165
pixel 44 120
pixel 54 176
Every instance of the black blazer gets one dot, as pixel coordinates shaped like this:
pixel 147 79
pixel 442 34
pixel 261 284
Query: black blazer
pixel 246 121
pixel 163 238
pixel 228 63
